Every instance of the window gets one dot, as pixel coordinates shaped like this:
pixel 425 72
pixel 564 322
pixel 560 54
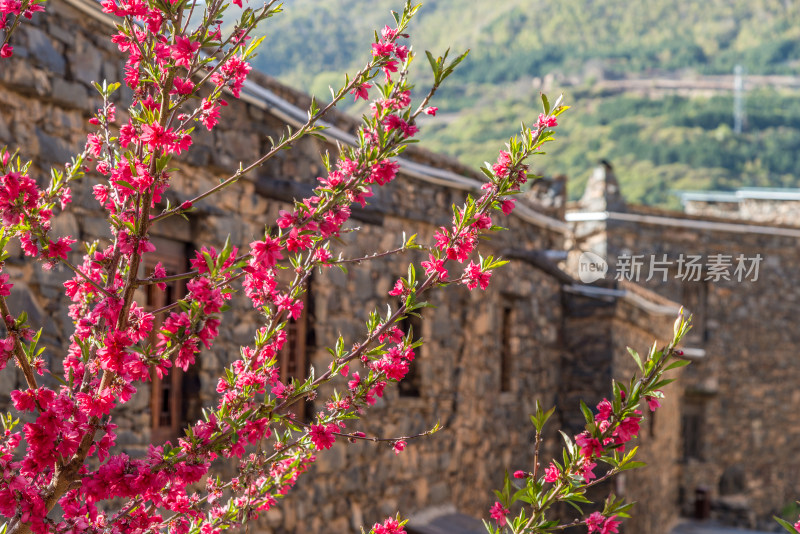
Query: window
pixel 293 360
pixel 693 426
pixel 175 400
pixel 694 296
pixel 506 344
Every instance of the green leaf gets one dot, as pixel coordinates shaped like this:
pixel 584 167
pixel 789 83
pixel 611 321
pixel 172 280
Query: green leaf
pixel 632 465
pixel 587 413
pixel 545 104
pixel 677 363
pixel 434 64
pixel 785 524
pixel 636 358
pixel 663 383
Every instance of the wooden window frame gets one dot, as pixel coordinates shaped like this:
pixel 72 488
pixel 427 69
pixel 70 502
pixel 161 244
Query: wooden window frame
pixel 166 396
pixel 293 360
pixel 507 355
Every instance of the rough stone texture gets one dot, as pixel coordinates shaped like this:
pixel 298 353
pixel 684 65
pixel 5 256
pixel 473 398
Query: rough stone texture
pixel 743 393
pixel 773 212
pixel 44 107
pixel 597 335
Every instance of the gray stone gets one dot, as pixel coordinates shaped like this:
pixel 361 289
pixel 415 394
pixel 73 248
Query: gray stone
pixel 21 300
pixel 42 49
pixel 85 61
pixel 53 149
pixel 95 227
pixel 70 94
pixel 61 33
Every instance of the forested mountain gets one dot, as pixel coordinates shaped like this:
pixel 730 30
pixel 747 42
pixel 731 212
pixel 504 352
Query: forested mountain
pixel 657 142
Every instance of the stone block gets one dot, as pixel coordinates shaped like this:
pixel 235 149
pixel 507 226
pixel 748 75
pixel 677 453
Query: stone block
pixel 85 61
pixel 52 149
pixel 55 29
pixel 70 94
pixel 42 48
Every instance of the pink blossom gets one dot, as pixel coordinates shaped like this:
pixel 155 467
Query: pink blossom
pixel 499 513
pixel 361 91
pixel 610 525
pixel 182 87
pixel 210 113
pixel 474 276
pixel 546 122
pixel 552 473
pixel 160 272
pixel 266 253
pixel 501 168
pixel 595 522
pixel 322 436
pixel 398 446
pixel 183 50
pixel 382 49
pixel 94 143
pixel 627 429
pixel 398 289
pixel 390 526
pixel 233 74
pixel 5 287
pixel 586 470
pixel 653 402
pixel 507 206
pixel 60 248
pixel 435 265
pixel 604 410
pixel 589 446
pixel 384 172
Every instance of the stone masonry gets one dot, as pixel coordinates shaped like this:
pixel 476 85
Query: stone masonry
pixel 740 396
pixel 534 335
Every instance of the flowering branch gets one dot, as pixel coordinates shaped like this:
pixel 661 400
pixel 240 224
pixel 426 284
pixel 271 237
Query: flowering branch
pixel 615 424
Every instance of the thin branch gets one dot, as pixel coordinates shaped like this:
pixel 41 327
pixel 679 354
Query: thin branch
pixel 371 256
pixel 86 277
pixel 19 352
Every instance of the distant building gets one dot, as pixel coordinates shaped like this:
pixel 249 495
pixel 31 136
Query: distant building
pixel 731 259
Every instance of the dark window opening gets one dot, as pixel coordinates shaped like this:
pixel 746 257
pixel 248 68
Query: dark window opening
pixel 692 425
pixel 506 349
pixel 652 418
pixel 694 297
pixel 293 360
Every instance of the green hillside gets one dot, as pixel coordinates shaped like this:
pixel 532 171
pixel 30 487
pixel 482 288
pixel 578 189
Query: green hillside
pixel 656 145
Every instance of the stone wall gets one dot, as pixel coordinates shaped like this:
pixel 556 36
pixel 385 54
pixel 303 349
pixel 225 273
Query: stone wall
pixel 770 211
pixel 45 107
pixel 598 333
pixel 477 382
pixel 740 397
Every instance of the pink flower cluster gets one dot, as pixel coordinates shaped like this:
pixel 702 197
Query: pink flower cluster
pixel 498 512
pixel 68 458
pixel 390 526
pixel 596 522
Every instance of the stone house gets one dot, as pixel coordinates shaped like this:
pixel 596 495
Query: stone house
pixel 731 258
pixel 536 334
